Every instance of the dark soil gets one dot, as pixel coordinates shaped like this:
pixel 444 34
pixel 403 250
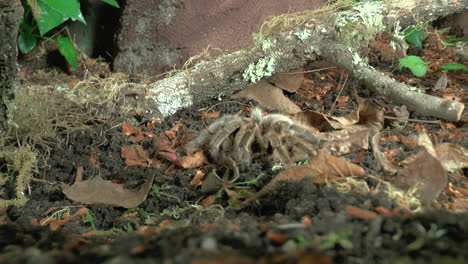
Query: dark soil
pixel 298 222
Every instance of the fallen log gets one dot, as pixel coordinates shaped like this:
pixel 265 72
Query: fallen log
pixel 332 36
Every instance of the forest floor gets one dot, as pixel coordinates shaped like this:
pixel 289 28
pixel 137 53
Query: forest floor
pixel 349 212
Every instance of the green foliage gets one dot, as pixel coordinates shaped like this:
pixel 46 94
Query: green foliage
pixel 139 210
pixel 89 219
pixel 417 66
pixel 340 237
pixel 41 16
pixel 452 39
pixel 454 67
pixel 68 51
pixel 112 3
pixel 414 35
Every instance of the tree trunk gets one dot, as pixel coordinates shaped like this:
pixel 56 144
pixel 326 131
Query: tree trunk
pixel 332 36
pixel 11 12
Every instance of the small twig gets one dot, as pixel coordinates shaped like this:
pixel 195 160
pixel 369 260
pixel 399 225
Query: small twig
pixel 61 207
pixel 223 102
pixel 412 120
pixel 339 93
pixel 316 70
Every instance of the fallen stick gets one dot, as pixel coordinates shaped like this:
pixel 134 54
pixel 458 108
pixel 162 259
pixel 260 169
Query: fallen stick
pixel 319 37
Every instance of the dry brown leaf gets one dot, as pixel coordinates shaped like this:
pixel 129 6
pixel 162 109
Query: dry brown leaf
pixel 367 114
pixel 73 82
pixel 460 205
pixel 452 156
pixel 134 155
pixel 128 129
pixel 424 173
pixel 441 82
pixel 401 112
pixel 269 96
pixel 99 191
pixel 345 141
pixel 208 116
pixel 193 160
pixel 198 178
pixel 320 169
pixel 360 213
pixel 355 128
pixel 138 137
pixel 170 134
pixel 289 81
pixel 79 174
pixel 164 148
pixel 381 160
pixel 390 154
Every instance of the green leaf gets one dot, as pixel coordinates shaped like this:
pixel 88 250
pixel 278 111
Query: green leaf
pixel 454 67
pixel 415 36
pixel 55 12
pixel 417 66
pixel 26 42
pixel 454 39
pixel 112 3
pixel 68 51
pixel 68 8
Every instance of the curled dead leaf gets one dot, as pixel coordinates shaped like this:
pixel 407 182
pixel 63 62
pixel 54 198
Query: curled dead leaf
pixel 269 96
pixel 164 148
pixel 99 191
pixel 452 156
pixel 135 155
pixel 198 178
pixel 288 81
pixel 208 116
pixel 193 160
pixel 424 173
pixel 323 168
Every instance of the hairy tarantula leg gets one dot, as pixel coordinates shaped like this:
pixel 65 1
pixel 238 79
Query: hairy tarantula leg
pixel 305 133
pixel 206 133
pixel 278 149
pixel 230 166
pixel 225 150
pixel 309 148
pixel 225 131
pixel 282 155
pixel 242 145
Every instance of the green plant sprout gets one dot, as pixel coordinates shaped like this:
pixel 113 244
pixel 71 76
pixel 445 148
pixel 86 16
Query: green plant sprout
pixel 89 219
pixel 41 16
pixel 340 237
pixel 139 210
pixel 277 166
pixel 57 215
pixel 157 191
pixel 253 181
pixel 301 241
pixel 425 236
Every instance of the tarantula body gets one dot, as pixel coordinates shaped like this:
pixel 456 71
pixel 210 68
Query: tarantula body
pixel 237 140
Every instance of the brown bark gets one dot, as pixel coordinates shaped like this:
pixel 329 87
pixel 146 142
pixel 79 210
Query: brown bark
pixel 291 50
pixel 11 12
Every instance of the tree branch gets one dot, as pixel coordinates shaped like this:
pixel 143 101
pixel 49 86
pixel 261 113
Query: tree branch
pixel 335 37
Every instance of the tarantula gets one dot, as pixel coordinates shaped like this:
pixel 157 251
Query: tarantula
pixel 234 141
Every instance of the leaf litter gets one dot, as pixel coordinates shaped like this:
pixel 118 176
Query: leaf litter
pixel 328 217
